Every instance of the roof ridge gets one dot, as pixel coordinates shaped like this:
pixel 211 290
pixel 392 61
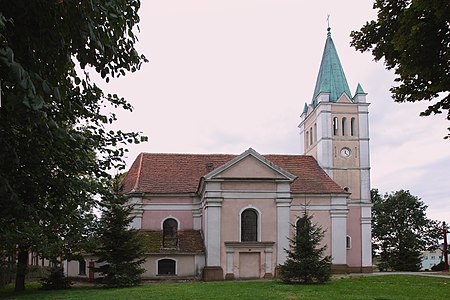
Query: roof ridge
pixel 217 154
pixel 185 153
pixel 180 174
pixel 136 184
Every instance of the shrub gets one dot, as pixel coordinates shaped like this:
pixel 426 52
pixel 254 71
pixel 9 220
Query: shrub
pixel 439 267
pixel 56 280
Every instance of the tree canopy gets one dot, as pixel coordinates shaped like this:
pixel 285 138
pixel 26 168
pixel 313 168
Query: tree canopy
pixel 413 38
pixel 401 230
pixel 55 146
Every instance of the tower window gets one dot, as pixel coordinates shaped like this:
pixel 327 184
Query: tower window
pixel 310 136
pixel 249 225
pixel 352 126
pixel 348 242
pixel 170 239
pixel 315 132
pixel 344 127
pixel 307 138
pixel 335 126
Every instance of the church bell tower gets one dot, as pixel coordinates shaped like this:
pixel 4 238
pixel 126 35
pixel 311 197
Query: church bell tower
pixel 334 128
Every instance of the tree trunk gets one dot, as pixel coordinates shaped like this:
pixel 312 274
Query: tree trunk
pixel 22 262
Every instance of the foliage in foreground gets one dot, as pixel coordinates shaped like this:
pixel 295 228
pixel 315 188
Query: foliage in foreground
pixel 55 144
pixel 398 287
pixel 56 280
pixel 305 262
pixel 401 230
pixel 412 37
pixel 121 252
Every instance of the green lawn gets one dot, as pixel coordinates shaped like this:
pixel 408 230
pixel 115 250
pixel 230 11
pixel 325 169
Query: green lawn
pixel 375 287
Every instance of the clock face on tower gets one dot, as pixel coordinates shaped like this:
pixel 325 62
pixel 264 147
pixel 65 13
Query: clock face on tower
pixel 346 152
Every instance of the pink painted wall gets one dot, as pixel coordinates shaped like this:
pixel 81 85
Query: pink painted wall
pixel 354 231
pixel 230 229
pixel 249 167
pixel 152 219
pixel 321 218
pixel 171 200
pixel 231 212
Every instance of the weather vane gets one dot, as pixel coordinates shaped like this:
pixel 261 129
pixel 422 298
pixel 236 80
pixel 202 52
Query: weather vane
pixel 328 22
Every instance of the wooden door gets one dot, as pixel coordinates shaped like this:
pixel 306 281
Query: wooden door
pixel 249 265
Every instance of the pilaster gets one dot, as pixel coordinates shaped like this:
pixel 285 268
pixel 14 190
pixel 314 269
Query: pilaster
pixel 283 225
pixel 213 226
pixel 339 212
pixel 137 212
pixel 366 235
pixel 324 137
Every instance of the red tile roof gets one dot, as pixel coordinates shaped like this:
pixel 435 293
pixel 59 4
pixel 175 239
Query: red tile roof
pixel 189 241
pixel 158 173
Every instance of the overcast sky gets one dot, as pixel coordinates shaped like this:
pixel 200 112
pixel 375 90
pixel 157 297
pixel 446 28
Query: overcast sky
pixel 227 75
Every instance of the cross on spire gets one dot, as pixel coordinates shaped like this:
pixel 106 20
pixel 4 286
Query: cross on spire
pixel 328 27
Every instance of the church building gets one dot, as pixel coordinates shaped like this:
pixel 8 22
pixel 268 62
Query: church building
pixel 223 216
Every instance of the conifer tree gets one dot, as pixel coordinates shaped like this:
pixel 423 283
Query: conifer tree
pixel 120 252
pixel 305 262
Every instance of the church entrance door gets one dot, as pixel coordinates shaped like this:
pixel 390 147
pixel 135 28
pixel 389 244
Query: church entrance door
pixel 249 265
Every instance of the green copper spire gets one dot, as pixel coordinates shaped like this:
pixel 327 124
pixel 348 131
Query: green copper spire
pixel 359 90
pixel 331 78
pixel 305 108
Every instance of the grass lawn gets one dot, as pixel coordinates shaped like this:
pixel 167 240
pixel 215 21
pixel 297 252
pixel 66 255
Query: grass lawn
pixel 373 287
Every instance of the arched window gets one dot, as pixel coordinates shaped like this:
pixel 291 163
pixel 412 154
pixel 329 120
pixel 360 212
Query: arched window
pixel 348 242
pixel 249 225
pixel 170 233
pixel 335 126
pixel 344 126
pixel 352 126
pixel 81 267
pixel 34 259
pixel 307 138
pixel 297 228
pixel 167 266
pixel 310 136
pixel 315 132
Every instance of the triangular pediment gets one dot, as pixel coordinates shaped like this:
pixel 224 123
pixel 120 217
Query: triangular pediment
pixel 250 165
pixel 344 99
